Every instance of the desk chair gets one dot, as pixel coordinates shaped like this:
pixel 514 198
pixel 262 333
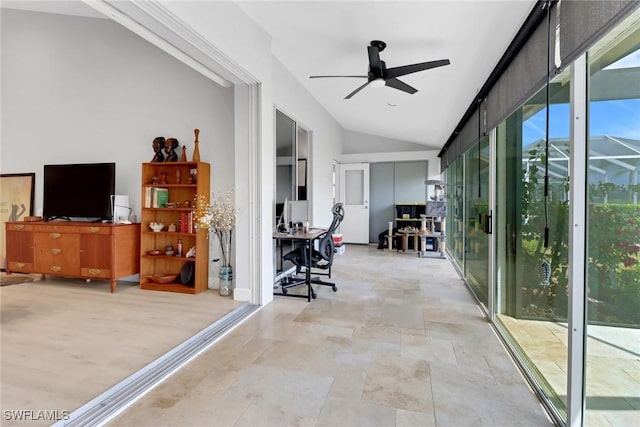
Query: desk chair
pixel 321 259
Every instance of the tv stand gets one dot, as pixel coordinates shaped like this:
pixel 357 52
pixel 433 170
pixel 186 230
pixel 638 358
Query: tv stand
pixel 74 249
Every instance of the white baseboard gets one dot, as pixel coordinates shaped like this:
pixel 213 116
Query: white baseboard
pixel 241 294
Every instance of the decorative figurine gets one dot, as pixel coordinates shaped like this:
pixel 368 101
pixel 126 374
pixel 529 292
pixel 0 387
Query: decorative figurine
pixel 163 180
pixel 196 150
pixel 183 157
pixel 170 146
pixel 158 145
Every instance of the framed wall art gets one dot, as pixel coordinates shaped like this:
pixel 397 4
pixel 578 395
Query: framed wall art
pixel 16 202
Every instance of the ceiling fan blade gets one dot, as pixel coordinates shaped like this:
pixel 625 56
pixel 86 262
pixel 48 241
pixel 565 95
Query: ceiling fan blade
pixel 356 91
pixel 375 65
pixel 414 68
pixel 397 84
pixel 322 77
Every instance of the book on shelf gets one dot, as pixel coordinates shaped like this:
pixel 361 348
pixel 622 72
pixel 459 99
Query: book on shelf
pixel 183 222
pixel 155 197
pixel 147 197
pixel 162 197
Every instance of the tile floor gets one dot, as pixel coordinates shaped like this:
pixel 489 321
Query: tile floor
pixel 402 343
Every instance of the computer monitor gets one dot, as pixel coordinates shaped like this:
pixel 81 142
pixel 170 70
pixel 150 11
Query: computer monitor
pixel 298 211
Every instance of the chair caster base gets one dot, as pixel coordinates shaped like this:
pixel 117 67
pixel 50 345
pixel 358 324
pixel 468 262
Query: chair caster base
pixel 314 295
pixel 334 288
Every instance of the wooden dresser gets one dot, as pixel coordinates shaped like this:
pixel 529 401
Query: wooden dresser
pixel 76 249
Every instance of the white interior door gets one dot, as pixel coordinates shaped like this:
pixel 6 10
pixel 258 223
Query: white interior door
pixel 354 194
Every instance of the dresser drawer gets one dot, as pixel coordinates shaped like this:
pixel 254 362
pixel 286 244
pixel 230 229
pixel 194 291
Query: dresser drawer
pixel 97 273
pixel 93 229
pixel 58 268
pixel 56 239
pixel 19 227
pixel 20 267
pixel 48 228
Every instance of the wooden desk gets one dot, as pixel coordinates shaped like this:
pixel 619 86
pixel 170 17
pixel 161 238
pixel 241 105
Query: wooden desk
pixel 306 239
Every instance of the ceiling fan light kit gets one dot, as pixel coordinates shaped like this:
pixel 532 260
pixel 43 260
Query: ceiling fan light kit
pixel 379 75
pixel 378 83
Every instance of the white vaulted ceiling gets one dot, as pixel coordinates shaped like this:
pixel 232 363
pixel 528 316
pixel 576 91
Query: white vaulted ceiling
pixel 331 38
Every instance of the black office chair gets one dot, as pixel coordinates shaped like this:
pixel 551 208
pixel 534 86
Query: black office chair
pixel 321 259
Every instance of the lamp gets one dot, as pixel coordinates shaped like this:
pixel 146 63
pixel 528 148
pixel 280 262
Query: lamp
pixel 379 82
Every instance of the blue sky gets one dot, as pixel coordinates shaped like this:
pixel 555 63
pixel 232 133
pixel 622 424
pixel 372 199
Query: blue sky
pixel 619 118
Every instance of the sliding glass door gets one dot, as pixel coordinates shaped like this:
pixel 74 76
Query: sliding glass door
pixel 613 273
pixel 532 230
pixel 476 256
pixel 455 211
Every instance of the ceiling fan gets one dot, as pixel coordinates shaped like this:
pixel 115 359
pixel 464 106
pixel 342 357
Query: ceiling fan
pixel 379 75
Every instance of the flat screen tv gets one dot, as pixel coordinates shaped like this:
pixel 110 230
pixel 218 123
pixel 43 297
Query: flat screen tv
pixel 79 191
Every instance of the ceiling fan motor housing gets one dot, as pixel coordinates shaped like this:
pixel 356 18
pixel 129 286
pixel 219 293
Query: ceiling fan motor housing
pixel 379 44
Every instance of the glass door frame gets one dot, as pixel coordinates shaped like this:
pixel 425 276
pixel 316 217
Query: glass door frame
pixel 297 163
pixel 577 328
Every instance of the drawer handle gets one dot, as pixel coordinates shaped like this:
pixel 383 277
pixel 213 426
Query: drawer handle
pixel 95 271
pixel 56 268
pixel 18 227
pixel 55 235
pixel 94 229
pixel 20 264
pixel 55 251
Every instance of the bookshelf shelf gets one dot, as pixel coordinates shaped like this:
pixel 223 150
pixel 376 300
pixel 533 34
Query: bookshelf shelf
pixel 170 185
pixel 171 173
pixel 172 233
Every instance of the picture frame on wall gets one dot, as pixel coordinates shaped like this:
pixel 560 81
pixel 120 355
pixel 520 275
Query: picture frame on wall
pixel 17 192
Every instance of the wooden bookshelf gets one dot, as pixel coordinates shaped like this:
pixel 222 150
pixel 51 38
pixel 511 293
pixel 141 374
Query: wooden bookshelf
pixel 175 177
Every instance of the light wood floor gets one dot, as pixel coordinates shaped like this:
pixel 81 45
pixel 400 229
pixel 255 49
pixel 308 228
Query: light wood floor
pixel 64 341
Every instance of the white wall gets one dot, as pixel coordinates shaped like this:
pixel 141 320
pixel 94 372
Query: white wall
pixel 358 142
pixel 80 89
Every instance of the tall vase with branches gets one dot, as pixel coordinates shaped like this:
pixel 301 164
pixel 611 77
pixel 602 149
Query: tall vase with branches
pixel 219 218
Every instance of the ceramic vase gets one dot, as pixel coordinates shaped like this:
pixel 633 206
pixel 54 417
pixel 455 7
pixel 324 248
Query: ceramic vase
pixel 196 150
